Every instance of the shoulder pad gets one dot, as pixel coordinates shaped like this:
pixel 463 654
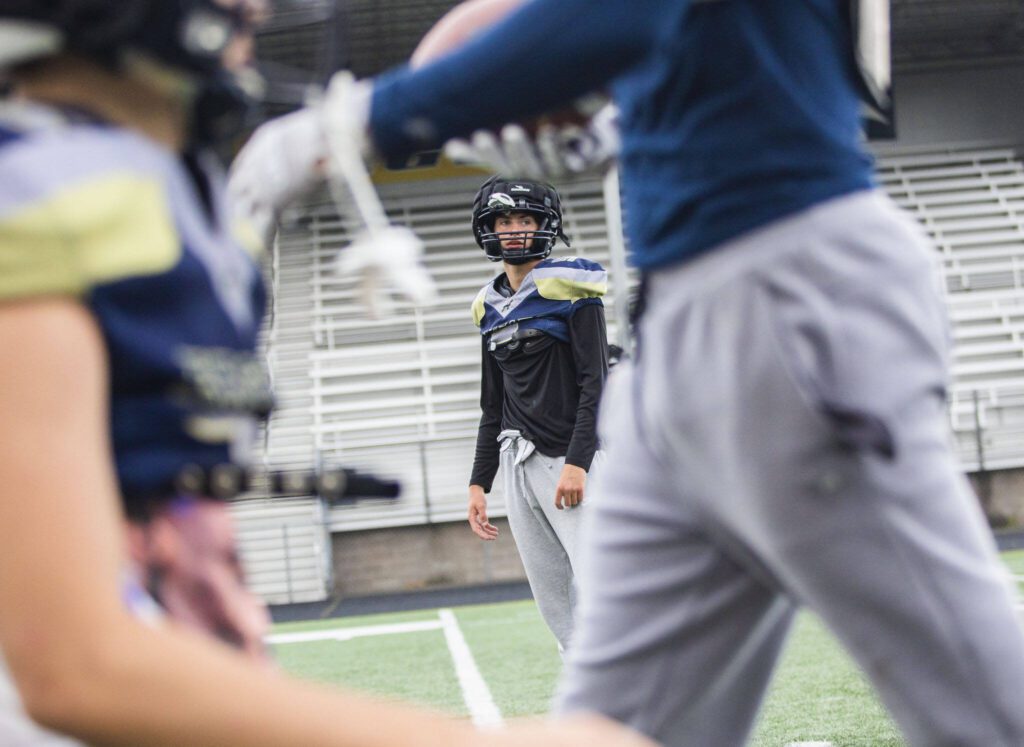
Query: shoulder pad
pixel 570 279
pixel 581 263
pixel 477 307
pixel 81 207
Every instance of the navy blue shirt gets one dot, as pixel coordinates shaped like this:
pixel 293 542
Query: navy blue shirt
pixel 734 113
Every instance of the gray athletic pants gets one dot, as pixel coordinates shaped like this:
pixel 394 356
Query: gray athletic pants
pixel 781 441
pixel 546 537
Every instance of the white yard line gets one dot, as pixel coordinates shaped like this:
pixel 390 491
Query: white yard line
pixel 344 634
pixel 482 709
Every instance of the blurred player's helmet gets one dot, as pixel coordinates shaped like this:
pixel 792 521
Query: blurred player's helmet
pixel 501 196
pixel 185 38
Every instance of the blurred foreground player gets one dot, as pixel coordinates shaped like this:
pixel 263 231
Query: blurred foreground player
pixel 128 317
pixel 544 361
pixel 780 439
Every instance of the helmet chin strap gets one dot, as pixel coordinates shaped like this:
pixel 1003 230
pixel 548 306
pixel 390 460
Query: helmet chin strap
pixel 519 260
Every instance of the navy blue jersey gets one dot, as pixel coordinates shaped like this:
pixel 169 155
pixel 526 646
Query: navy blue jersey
pixel 734 113
pixel 140 236
pixel 549 295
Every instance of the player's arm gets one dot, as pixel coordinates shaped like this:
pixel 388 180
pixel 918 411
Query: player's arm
pixel 525 65
pixel 485 460
pixel 588 340
pixel 83 665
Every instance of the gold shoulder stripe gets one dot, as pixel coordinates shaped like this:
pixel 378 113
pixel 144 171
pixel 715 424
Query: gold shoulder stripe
pixel 81 236
pixel 567 289
pixel 478 307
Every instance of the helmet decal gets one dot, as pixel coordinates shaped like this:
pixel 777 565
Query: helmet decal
pixel 500 200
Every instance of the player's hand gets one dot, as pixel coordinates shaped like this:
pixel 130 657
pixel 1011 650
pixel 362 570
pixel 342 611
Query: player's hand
pixel 345 115
pixel 572 731
pixel 556 151
pixel 383 256
pixel 388 260
pixel 282 161
pixel 569 491
pixel 288 156
pixel 478 522
pixel 187 552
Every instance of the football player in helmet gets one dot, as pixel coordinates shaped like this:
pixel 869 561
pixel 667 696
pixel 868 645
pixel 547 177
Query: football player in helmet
pixel 544 362
pixel 129 312
pixel 497 208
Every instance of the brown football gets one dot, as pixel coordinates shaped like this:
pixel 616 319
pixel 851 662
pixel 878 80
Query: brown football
pixel 467 19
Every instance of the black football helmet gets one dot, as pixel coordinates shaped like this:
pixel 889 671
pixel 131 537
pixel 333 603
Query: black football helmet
pixel 186 37
pixel 500 195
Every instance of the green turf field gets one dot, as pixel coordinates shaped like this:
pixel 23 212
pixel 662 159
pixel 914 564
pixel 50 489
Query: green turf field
pixel 817 695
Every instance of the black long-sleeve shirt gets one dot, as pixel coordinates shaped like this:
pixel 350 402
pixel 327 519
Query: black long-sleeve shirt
pixel 546 389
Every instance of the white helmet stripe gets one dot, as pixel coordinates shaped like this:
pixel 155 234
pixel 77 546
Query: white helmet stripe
pixel 21 41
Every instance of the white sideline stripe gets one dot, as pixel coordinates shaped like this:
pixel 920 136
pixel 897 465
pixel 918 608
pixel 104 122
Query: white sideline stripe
pixel 482 709
pixel 344 634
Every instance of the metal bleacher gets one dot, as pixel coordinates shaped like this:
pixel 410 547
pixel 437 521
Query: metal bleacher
pixel 971 202
pixel 285 548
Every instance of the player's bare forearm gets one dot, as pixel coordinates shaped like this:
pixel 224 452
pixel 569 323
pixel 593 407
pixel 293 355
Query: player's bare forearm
pixel 478 520
pixel 83 665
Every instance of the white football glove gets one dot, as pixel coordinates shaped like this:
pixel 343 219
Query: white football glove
pixel 555 152
pixel 289 156
pixel 386 261
pixel 282 161
pixel 386 257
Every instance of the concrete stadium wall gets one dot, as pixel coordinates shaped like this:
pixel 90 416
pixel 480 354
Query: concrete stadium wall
pixel 380 561
pixel 1001 494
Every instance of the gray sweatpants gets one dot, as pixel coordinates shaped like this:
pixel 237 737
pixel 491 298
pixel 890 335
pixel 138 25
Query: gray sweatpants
pixel 782 440
pixel 546 537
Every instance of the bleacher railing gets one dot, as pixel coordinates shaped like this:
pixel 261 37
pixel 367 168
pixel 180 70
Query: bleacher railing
pixel 971 201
